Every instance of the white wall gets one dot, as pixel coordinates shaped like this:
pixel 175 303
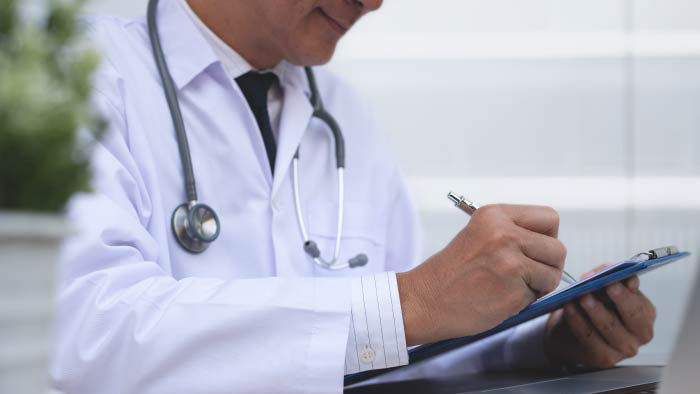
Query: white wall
pixel 591 106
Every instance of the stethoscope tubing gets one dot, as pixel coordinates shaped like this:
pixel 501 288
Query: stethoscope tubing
pixel 320 261
pixel 173 103
pixel 321 113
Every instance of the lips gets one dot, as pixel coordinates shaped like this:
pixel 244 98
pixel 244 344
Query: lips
pixel 336 24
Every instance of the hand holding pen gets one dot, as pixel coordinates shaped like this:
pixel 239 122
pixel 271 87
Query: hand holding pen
pixel 505 258
pixel 470 207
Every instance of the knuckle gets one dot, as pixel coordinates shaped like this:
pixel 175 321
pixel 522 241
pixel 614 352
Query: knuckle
pixel 511 267
pixel 506 238
pixel 629 348
pixel 500 239
pixel 609 325
pixel 562 251
pixel 488 210
pixel 636 312
pixel 612 291
pixel 503 264
pixel 495 235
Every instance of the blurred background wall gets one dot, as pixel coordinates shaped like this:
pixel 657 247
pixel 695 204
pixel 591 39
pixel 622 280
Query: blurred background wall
pixel 590 106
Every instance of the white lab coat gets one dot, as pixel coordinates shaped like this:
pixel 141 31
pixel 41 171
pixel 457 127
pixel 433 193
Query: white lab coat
pixel 138 314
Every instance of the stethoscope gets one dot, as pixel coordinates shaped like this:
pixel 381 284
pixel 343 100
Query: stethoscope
pixel 196 225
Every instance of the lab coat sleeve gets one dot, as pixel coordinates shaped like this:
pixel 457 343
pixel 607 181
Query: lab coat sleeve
pixel 126 325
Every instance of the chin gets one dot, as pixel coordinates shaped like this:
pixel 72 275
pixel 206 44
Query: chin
pixel 316 54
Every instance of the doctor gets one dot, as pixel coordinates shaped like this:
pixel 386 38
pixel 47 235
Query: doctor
pixel 243 294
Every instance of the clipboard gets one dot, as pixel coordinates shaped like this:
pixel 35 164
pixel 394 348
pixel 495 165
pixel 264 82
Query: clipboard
pixel 636 265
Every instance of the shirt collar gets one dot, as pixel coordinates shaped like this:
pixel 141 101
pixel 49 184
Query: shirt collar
pixel 186 51
pixel 232 61
pixel 189 54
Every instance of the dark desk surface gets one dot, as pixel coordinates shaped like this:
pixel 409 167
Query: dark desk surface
pixel 478 382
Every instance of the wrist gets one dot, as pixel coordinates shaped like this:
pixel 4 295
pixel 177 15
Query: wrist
pixel 413 308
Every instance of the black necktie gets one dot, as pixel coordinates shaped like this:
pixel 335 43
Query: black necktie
pixel 255 86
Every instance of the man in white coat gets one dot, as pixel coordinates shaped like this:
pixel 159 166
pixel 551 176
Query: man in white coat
pixel 253 313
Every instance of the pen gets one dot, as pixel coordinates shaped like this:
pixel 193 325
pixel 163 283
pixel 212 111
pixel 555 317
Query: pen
pixel 469 207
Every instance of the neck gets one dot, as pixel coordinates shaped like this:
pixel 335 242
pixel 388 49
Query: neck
pixel 231 21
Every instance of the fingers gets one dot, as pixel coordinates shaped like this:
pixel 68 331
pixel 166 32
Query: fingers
pixel 597 352
pixel 543 220
pixel 541 278
pixel 610 327
pixel 635 309
pixel 543 248
pixel 633 283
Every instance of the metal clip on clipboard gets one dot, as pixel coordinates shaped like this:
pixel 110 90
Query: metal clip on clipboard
pixel 655 254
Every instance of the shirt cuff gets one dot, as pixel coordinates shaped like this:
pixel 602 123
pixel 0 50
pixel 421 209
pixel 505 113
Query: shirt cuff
pixel 377 338
pixel 524 348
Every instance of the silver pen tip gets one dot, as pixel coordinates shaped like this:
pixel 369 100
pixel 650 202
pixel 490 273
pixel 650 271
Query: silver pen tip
pixel 568 278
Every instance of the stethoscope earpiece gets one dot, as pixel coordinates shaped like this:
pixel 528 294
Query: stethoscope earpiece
pixel 311 249
pixel 195 226
pixel 358 261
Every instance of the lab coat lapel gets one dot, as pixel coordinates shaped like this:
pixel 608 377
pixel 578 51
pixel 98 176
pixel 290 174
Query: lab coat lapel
pixel 294 120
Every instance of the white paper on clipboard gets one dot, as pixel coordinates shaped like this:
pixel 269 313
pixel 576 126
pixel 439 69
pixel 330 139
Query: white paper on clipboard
pixel 607 271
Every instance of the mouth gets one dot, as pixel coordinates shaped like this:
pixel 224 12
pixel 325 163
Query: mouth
pixel 340 27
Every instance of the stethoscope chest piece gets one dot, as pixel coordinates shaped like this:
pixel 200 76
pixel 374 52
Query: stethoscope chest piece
pixel 195 226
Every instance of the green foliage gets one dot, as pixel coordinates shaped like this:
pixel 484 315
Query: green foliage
pixel 44 104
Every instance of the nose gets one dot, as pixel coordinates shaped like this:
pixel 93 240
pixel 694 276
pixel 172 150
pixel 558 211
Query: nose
pixel 368 5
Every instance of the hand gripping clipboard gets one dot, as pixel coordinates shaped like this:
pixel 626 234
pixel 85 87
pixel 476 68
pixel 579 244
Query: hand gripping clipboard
pixel 637 265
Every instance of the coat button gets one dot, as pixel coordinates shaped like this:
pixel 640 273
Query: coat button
pixel 367 355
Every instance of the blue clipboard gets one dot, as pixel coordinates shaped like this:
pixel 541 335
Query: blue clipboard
pixel 637 265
